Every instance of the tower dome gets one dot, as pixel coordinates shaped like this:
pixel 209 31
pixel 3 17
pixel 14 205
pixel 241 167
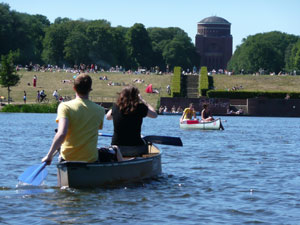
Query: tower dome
pixel 214 20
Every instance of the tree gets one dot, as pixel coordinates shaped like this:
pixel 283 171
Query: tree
pixel 263 51
pixel 53 43
pixel 76 50
pixel 139 46
pixel 8 75
pixel 173 47
pixel 101 45
pixel 180 52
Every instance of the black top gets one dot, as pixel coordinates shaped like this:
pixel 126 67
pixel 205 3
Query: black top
pixel 127 127
pixel 206 114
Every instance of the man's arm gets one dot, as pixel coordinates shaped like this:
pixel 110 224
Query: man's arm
pixel 57 140
pixel 183 115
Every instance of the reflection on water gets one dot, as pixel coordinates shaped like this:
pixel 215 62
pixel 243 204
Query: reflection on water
pixel 245 174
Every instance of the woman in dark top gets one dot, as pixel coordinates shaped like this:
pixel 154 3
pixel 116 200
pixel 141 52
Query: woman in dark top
pixel 127 115
pixel 206 114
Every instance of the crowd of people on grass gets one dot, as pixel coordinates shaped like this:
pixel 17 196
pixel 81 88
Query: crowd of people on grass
pixel 90 68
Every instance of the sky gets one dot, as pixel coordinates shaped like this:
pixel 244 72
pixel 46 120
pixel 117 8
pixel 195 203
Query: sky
pixel 247 17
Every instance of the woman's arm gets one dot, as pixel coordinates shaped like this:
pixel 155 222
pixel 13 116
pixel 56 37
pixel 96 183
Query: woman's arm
pixel 202 115
pixel 151 111
pixel 109 115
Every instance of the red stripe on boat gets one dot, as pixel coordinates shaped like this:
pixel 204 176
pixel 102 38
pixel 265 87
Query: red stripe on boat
pixel 192 121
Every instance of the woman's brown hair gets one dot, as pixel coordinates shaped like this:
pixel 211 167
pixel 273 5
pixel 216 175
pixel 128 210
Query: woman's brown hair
pixel 128 99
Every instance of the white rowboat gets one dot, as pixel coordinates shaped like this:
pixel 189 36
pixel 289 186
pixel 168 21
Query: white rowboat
pixel 196 124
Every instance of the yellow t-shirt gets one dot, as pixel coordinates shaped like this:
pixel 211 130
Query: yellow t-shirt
pixel 188 113
pixel 85 119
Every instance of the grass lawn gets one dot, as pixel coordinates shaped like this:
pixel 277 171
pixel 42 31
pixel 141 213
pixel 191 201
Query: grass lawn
pixel 50 81
pixel 102 92
pixel 257 83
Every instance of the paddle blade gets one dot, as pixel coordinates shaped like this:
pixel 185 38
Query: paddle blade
pixel 105 135
pixel 164 140
pixel 34 175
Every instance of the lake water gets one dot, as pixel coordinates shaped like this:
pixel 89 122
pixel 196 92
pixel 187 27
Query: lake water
pixel 247 174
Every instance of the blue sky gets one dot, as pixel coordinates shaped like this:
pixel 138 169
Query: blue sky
pixel 247 17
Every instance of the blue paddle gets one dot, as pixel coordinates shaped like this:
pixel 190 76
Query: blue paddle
pixel 34 175
pixel 163 140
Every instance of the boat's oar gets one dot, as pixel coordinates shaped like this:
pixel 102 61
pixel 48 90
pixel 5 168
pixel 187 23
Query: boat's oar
pixel 34 175
pixel 163 140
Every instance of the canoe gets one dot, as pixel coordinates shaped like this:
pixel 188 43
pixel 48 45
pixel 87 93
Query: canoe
pixel 196 124
pixel 82 175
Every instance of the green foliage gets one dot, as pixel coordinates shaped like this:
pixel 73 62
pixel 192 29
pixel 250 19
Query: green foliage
pixel 263 51
pixel 293 57
pixel 8 76
pixel 54 43
pixel 73 42
pixel 203 81
pixel 172 47
pixel 251 94
pixel 102 43
pixel 31 108
pixel 23 32
pixel 176 89
pixel 139 46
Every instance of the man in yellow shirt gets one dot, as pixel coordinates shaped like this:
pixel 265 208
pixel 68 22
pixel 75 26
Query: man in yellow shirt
pixel 78 123
pixel 188 113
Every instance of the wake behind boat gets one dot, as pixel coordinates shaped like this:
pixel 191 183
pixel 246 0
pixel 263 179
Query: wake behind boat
pixel 196 124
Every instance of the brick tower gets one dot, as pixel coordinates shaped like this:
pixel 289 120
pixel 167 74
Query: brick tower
pixel 214 42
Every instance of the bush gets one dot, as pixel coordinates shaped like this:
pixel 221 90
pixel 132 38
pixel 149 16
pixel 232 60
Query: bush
pixel 204 83
pixel 31 108
pixel 251 94
pixel 176 90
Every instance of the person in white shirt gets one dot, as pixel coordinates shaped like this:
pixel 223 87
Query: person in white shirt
pixel 55 94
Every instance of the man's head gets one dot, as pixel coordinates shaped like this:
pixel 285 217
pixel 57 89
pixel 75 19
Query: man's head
pixel 83 84
pixel 191 106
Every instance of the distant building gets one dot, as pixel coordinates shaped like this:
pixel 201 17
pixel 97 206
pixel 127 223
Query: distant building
pixel 214 42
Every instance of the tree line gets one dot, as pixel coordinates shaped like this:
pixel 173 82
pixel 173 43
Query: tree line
pixel 267 53
pixel 71 42
pixel 68 42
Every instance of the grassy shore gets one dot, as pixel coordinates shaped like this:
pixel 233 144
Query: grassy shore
pixel 257 83
pixel 102 92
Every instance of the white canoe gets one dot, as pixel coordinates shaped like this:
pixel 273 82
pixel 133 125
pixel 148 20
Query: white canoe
pixel 195 124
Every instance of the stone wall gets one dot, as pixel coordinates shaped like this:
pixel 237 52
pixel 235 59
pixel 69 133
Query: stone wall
pixel 252 107
pixel 216 105
pixel 274 107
